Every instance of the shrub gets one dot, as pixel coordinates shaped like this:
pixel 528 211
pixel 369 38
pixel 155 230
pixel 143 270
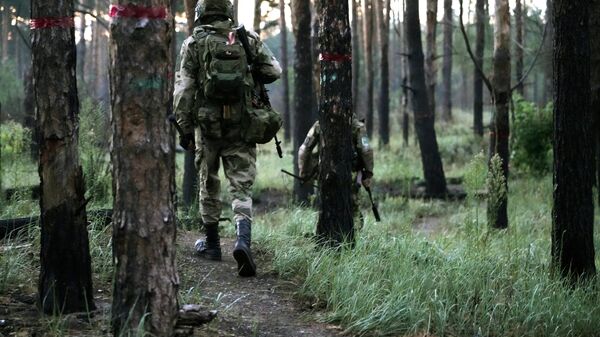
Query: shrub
pixel 532 142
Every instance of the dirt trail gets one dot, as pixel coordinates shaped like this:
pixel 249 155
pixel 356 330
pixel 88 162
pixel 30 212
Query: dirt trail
pixel 256 306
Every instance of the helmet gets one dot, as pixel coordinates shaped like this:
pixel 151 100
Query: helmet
pixel 213 7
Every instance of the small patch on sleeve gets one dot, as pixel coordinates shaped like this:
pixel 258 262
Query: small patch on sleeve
pixel 365 141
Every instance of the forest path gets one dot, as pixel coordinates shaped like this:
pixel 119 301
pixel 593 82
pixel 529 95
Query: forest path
pixel 260 306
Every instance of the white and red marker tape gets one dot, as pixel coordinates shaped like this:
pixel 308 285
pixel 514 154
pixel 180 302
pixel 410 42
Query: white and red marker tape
pixel 41 23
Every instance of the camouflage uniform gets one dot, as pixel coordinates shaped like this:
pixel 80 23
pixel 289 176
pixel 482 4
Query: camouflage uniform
pixel 362 160
pixel 217 125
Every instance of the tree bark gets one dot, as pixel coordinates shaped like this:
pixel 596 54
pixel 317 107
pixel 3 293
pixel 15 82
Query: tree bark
pixel 519 47
pixel 143 160
pixel 355 57
pixel 500 130
pixel 384 93
pixel 190 14
pixel 236 6
pixel 549 53
pixel 335 224
pixel 447 62
pixel 190 173
pixel 595 82
pixel 370 106
pixel 257 16
pixel 81 52
pixel 480 23
pixel 573 209
pixel 5 31
pixel 431 53
pixel 65 283
pixel 284 75
pixel 435 181
pixel 303 87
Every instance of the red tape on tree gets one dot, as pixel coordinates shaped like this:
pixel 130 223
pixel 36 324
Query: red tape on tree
pixel 137 12
pixel 335 57
pixel 40 23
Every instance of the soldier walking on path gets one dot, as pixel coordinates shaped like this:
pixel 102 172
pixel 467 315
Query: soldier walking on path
pixel 362 165
pixel 216 107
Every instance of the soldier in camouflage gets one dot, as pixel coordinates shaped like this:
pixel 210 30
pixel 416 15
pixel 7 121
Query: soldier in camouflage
pixel 213 88
pixel 362 165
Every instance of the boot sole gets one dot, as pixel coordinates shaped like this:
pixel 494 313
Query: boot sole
pixel 246 267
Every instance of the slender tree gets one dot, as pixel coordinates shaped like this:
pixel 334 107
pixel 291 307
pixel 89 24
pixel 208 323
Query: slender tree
pixel 355 55
pixel 284 64
pixel 480 23
pixel 384 93
pixel 190 173
pixel 435 181
pixel 257 15
pixel 573 209
pixel 335 224
pixel 236 6
pixel 519 46
pixel 303 86
pixel 549 53
pixel 595 82
pixel 447 62
pixel 5 25
pixel 143 160
pixel 81 51
pixel 431 53
pixel 368 36
pixel 500 129
pixel 65 283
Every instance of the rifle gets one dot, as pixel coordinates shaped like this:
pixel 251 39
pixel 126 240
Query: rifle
pixel 368 189
pixel 302 180
pixel 262 97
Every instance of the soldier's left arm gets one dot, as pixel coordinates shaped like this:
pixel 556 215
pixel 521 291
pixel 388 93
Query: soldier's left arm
pixel 186 86
pixel 267 68
pixel 364 150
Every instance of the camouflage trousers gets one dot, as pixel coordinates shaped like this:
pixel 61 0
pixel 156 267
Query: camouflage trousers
pixel 239 166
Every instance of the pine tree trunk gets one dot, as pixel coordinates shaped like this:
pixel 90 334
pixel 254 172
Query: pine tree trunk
pixel 190 173
pixel 431 53
pixel 595 82
pixel 5 31
pixel 143 160
pixel 500 130
pixel 65 283
pixel 384 93
pixel 257 16
pixel 573 211
pixel 405 73
pixel 433 170
pixel 355 57
pixel 447 63
pixel 370 106
pixel 236 6
pixel 548 55
pixel 284 75
pixel 480 22
pixel 303 87
pixel 519 47
pixel 335 224
pixel 81 52
pixel 190 14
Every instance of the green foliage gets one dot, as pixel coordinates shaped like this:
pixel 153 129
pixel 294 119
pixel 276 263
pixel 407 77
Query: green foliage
pixel 532 143
pixel 11 91
pixel 14 139
pixel 93 147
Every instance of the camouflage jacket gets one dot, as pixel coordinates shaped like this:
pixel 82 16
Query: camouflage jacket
pixel 189 103
pixel 308 158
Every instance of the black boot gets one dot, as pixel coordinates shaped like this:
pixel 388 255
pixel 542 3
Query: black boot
pixel 211 247
pixel 241 252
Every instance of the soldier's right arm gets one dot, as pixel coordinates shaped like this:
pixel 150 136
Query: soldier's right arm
pixel 306 149
pixel 186 86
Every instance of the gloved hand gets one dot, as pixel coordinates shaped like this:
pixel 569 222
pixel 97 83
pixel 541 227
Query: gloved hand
pixel 187 142
pixel 367 178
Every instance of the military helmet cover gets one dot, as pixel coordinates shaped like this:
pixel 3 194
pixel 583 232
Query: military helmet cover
pixel 213 7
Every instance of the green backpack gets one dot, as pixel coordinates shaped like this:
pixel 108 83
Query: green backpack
pixel 225 65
